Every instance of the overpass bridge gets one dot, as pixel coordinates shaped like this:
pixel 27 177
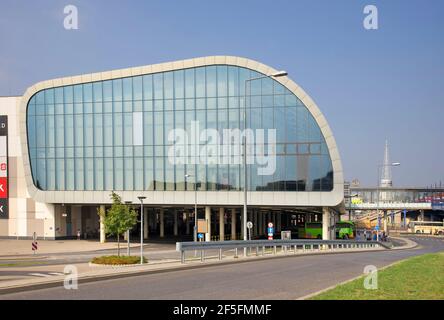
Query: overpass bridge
pixel 395 206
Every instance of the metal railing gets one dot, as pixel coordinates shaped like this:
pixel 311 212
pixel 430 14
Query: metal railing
pixel 263 247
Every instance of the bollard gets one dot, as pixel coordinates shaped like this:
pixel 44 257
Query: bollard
pixel 274 249
pixel 257 251
pixel 263 250
pixel 235 253
pixel 182 256
pixel 220 254
pixel 201 256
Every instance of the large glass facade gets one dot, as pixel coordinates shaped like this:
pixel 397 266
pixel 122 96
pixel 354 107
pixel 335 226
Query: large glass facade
pixel 113 135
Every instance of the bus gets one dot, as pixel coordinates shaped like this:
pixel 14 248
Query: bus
pixel 426 227
pixel 310 230
pixel 345 230
pixel 313 230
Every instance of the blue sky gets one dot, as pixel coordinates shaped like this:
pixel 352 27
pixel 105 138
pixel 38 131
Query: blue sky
pixel 370 85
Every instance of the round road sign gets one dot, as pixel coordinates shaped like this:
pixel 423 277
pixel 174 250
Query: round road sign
pixel 249 224
pixel 270 224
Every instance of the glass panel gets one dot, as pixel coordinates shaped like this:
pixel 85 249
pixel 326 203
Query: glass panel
pixel 189 83
pixel 168 85
pixel 211 81
pixel 117 90
pixel 97 91
pixel 147 87
pixel 200 82
pixel 137 88
pixel 127 89
pixel 158 86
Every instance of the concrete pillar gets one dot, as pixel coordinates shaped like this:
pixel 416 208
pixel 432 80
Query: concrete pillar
pixel 102 224
pixel 255 224
pixel 221 224
pixel 326 220
pixel 175 223
pixel 162 222
pixel 154 225
pixel 274 214
pixel 264 222
pixel 146 222
pixel 259 223
pixel 187 217
pixel 398 218
pixel 233 224
pixel 208 220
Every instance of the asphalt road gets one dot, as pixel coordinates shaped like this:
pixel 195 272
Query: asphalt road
pixel 281 278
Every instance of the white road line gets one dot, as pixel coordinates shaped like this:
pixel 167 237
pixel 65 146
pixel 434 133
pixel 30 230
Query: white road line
pixel 40 275
pixel 57 273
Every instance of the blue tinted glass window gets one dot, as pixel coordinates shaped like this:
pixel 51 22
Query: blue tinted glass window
pixel 81 137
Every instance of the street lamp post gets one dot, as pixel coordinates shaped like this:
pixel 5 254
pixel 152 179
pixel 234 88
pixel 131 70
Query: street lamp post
pixel 393 164
pixel 195 204
pixel 141 198
pixel 244 218
pixel 128 252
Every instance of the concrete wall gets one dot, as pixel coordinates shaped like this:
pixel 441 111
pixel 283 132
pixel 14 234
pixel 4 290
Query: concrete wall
pixel 26 216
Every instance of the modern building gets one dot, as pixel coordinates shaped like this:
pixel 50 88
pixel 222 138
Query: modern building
pixel 69 142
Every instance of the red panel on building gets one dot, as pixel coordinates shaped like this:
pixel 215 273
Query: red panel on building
pixel 3 188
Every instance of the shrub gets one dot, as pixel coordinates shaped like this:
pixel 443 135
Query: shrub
pixel 116 260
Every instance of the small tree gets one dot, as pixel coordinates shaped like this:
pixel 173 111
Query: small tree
pixel 119 218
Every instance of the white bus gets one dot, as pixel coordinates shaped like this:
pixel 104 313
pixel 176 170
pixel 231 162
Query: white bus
pixel 427 227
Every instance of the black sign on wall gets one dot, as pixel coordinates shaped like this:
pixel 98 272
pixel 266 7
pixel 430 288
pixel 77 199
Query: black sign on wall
pixel 4 185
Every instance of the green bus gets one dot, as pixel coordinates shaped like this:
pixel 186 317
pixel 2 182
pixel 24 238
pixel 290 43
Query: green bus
pixel 313 230
pixel 345 230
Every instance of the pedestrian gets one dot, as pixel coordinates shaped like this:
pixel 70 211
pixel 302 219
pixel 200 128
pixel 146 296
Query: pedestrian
pixel 78 234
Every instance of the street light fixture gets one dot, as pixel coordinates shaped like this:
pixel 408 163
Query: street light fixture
pixel 393 164
pixel 141 198
pixel 128 203
pixel 244 218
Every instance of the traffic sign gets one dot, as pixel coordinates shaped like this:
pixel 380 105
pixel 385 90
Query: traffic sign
pixel 34 246
pixel 270 230
pixel 270 225
pixel 200 235
pixel 377 228
pixel 270 237
pixel 249 224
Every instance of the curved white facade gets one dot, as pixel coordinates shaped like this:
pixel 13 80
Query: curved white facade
pixel 183 198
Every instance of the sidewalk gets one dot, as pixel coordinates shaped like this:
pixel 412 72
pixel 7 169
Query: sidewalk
pixel 17 248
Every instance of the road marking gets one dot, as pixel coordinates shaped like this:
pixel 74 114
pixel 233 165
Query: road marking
pixel 57 273
pixel 40 275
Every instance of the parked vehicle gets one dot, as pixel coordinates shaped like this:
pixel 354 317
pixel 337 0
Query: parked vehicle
pixel 313 230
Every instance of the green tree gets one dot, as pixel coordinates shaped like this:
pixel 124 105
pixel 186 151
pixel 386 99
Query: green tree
pixel 119 218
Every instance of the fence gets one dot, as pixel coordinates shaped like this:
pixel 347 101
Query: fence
pixel 261 246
